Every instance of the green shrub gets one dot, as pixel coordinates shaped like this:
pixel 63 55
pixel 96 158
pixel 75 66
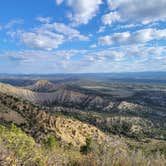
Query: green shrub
pixel 51 143
pixel 121 127
pixel 23 149
pixel 85 149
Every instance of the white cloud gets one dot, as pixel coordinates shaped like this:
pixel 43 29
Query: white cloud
pixel 141 36
pixel 127 58
pixel 111 17
pixel 44 19
pixel 59 2
pixel 48 36
pixel 139 10
pixel 93 46
pixel 82 10
pixel 116 59
pixel 143 52
pixel 71 33
pixel 112 55
pixel 37 55
pixel 13 22
pixel 101 29
pixel 106 40
pixel 128 26
pixel 52 61
pixel 45 40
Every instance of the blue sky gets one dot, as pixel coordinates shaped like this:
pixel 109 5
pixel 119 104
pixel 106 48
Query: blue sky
pixel 82 36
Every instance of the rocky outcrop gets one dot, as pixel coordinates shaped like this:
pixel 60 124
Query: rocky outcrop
pixel 40 123
pixel 124 105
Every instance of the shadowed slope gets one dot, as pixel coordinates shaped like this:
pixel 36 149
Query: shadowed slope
pixel 58 97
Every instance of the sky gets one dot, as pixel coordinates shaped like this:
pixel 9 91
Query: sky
pixel 82 36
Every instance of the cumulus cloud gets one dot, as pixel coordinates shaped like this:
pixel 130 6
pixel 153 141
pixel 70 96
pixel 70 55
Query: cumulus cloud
pixel 142 58
pixel 133 27
pixel 48 36
pixel 129 26
pixel 52 61
pixel 36 55
pixel 111 17
pixel 105 40
pixel 59 2
pixel 71 33
pixel 101 29
pixel 44 19
pixel 138 10
pixel 140 36
pixel 105 55
pixel 93 46
pixel 115 59
pixel 82 10
pixel 46 40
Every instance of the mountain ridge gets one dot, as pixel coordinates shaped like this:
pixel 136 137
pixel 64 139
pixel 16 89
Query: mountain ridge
pixel 39 123
pixel 43 86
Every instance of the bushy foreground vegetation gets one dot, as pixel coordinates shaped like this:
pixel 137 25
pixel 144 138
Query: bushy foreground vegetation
pixel 17 148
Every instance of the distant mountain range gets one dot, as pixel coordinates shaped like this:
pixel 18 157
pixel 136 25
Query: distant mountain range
pixel 144 77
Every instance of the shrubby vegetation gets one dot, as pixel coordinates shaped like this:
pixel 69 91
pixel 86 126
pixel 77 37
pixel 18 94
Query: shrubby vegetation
pixel 121 127
pixel 41 147
pixel 51 143
pixel 17 148
pixel 85 149
pixel 20 148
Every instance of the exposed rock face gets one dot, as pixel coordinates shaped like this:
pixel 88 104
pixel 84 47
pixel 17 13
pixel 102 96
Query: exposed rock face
pixel 60 96
pixel 40 123
pixel 137 123
pixel 109 107
pixel 75 132
pixel 124 105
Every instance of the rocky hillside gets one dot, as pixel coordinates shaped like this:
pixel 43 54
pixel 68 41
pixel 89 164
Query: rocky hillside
pixel 102 111
pixel 43 86
pixel 68 126
pixel 40 123
pixel 61 96
pixel 75 98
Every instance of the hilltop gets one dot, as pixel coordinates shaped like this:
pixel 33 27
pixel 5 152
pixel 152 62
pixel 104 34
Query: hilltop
pixel 43 86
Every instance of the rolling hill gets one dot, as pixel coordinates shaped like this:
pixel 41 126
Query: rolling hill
pixel 107 113
pixel 56 123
